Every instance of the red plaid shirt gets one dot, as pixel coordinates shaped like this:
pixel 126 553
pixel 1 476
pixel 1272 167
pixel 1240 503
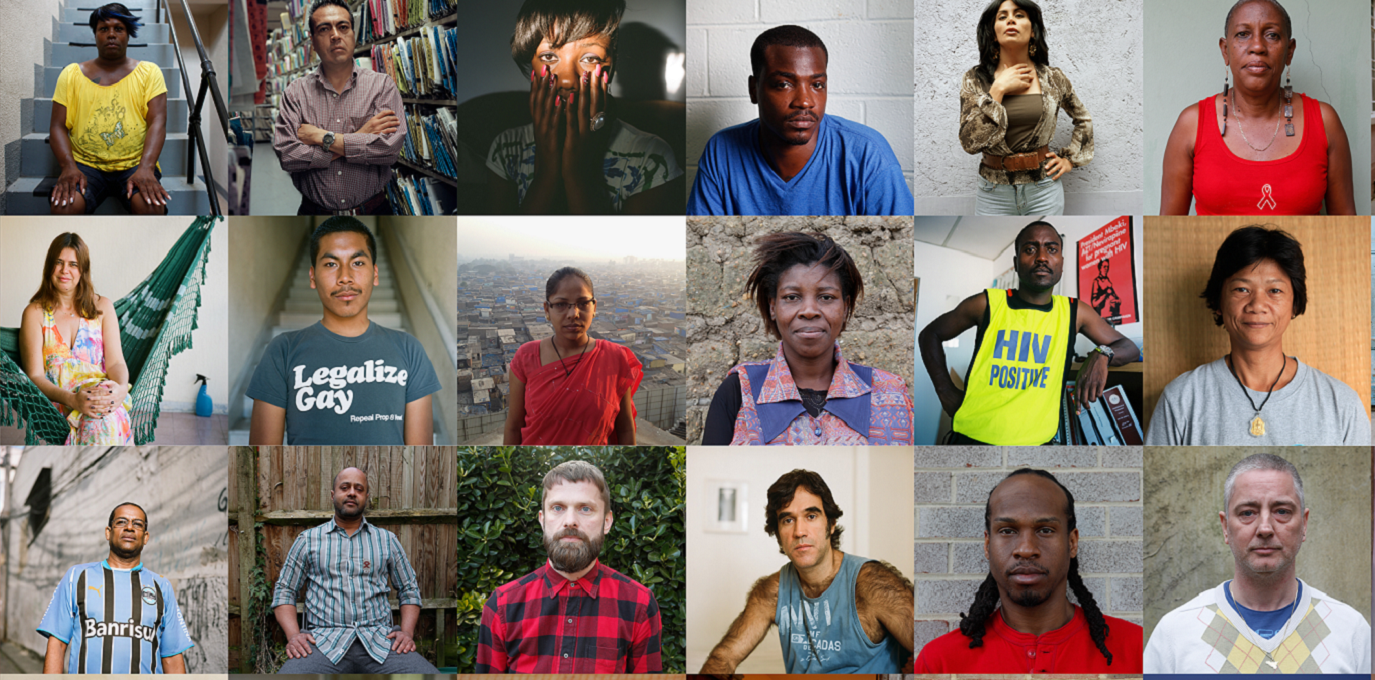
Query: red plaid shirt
pixel 542 623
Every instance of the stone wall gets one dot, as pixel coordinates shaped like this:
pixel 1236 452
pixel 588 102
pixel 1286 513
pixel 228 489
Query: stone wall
pixel 724 327
pixel 1097 44
pixel 952 485
pixel 1184 544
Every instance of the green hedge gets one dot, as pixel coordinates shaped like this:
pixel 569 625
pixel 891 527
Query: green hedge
pixel 499 536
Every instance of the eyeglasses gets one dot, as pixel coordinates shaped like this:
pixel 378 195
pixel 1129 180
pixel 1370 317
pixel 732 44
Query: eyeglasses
pixel 583 305
pixel 122 522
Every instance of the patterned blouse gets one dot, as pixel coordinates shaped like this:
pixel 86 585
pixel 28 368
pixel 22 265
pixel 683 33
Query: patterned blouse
pixel 863 406
pixel 983 123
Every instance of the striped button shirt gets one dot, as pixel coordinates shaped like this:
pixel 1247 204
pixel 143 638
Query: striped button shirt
pixel 365 169
pixel 346 586
pixel 115 620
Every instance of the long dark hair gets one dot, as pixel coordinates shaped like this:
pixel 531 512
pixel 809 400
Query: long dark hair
pixel 986 600
pixel 84 297
pixel 988 37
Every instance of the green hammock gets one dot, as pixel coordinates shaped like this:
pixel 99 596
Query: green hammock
pixel 155 323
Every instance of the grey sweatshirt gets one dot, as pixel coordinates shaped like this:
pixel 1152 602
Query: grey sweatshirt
pixel 1206 407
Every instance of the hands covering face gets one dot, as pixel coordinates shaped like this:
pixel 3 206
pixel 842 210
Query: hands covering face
pixel 565 140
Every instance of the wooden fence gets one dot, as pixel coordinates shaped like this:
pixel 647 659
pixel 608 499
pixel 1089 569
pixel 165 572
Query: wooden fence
pixel 412 493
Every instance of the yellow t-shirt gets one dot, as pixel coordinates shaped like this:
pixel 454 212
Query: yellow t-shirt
pixel 108 123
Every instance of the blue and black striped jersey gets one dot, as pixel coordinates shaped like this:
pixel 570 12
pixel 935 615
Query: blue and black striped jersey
pixel 115 620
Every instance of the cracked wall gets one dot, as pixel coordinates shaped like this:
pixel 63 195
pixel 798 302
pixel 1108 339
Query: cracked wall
pixel 1331 63
pixel 724 327
pixel 1097 44
pixel 1184 549
pixel 183 489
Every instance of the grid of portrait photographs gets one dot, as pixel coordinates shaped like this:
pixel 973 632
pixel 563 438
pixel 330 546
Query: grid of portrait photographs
pixel 416 338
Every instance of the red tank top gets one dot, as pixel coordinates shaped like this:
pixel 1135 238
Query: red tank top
pixel 1225 184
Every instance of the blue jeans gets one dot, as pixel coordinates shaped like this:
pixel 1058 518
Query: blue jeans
pixel 1046 197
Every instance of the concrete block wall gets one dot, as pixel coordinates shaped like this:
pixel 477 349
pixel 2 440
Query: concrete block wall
pixel 1097 44
pixel 870 48
pixel 952 484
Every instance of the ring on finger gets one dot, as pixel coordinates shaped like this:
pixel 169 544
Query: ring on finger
pixel 598 120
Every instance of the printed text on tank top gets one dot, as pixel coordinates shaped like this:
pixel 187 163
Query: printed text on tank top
pixel 868 619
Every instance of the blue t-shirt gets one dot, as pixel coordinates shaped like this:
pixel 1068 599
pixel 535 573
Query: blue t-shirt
pixel 342 390
pixel 852 171
pixel 1266 624
pixel 115 620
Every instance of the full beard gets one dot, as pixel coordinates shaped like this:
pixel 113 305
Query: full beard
pixel 341 511
pixel 572 557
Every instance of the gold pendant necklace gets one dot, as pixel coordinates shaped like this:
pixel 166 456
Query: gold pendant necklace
pixel 1257 425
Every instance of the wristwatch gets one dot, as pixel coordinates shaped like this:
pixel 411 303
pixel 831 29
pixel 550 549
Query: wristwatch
pixel 328 141
pixel 1104 350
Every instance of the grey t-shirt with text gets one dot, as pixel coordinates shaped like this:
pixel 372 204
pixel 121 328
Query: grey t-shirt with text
pixel 1206 407
pixel 342 390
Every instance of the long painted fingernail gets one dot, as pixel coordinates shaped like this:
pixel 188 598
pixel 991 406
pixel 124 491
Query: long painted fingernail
pixel 570 97
pixel 545 72
pixel 606 77
pixel 558 100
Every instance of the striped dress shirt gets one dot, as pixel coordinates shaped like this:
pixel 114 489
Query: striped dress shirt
pixel 365 169
pixel 346 586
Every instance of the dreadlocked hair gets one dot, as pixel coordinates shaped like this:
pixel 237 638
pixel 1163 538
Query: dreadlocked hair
pixel 973 624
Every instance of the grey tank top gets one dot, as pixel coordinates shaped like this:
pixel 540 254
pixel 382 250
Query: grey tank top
pixel 823 634
pixel 1023 115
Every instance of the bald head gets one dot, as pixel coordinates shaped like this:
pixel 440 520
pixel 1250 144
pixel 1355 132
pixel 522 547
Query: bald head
pixel 363 476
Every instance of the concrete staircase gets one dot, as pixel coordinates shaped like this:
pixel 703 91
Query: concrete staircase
pixel 73 42
pixel 302 309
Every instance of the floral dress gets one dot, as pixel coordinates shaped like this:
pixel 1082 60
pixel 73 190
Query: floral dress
pixel 81 365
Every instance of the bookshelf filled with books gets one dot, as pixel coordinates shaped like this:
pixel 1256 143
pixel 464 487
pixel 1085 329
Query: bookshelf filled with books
pixel 414 43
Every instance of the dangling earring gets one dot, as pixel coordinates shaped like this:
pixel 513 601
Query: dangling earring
pixel 1226 85
pixel 1032 51
pixel 1288 103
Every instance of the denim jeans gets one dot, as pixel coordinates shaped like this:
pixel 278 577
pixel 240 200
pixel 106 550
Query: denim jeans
pixel 1046 197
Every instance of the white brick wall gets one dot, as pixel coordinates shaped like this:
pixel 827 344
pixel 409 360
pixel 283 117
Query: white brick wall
pixel 951 485
pixel 870 47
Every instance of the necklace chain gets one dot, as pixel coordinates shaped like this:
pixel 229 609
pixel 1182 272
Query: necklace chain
pixel 1268 393
pixel 567 374
pixel 1241 127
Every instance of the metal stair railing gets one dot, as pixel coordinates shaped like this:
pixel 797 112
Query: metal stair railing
pixel 196 145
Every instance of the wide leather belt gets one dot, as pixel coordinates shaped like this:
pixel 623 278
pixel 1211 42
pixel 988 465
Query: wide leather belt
pixel 1031 160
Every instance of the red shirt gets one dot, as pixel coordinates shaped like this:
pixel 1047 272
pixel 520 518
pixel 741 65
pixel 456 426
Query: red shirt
pixel 1067 649
pixel 1227 184
pixel 602 623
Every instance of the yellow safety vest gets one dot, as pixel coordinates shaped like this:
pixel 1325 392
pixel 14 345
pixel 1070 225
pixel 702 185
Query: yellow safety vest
pixel 1012 392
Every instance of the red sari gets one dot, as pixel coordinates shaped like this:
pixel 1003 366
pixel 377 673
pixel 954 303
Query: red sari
pixel 575 401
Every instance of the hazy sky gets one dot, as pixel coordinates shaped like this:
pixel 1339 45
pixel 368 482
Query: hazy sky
pixel 574 238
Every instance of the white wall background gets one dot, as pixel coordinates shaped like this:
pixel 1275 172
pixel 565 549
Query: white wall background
pixel 1097 44
pixel 947 276
pixel 872 486
pixel 124 251
pixel 1331 63
pixel 870 47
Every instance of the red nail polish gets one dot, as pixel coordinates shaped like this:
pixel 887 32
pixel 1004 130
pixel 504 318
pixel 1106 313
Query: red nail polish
pixel 558 100
pixel 570 97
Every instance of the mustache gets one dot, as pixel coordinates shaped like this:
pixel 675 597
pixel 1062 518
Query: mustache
pixel 347 291
pixel 1027 567
pixel 804 115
